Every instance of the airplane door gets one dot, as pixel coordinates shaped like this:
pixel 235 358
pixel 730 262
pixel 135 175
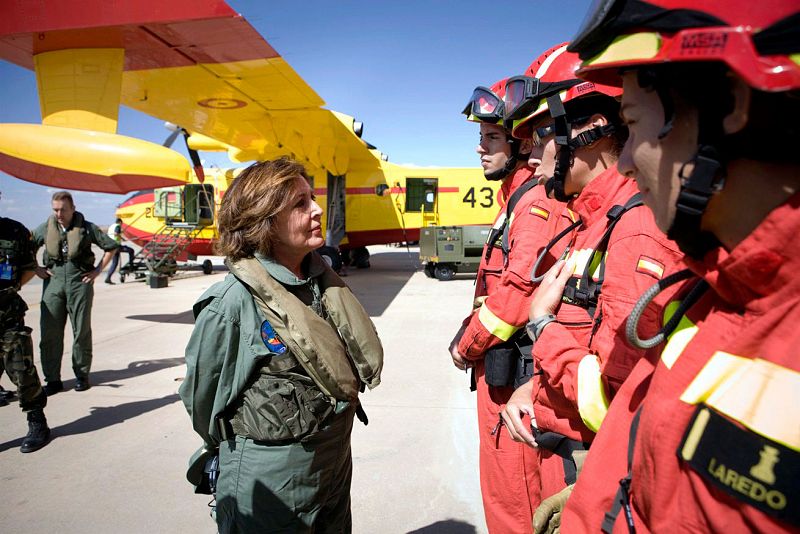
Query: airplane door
pixel 335 213
pixel 199 204
pixel 421 196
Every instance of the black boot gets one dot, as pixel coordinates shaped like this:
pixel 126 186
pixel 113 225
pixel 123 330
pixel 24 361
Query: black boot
pixel 38 432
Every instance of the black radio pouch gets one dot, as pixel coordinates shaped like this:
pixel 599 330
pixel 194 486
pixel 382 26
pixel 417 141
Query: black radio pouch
pixel 500 364
pixel 510 363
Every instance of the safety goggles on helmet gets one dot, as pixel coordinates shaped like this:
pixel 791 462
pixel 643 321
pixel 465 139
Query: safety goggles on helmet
pixel 524 94
pixel 485 106
pixel 554 72
pixel 760 43
pixel 520 90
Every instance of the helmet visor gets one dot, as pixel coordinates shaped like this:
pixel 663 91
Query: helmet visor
pixel 607 20
pixel 590 39
pixel 485 106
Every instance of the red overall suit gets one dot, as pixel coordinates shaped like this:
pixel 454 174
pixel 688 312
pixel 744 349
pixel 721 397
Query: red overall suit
pixel 585 359
pixel 508 470
pixel 732 363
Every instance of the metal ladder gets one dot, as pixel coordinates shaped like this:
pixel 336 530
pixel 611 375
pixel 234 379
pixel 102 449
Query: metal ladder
pixel 160 254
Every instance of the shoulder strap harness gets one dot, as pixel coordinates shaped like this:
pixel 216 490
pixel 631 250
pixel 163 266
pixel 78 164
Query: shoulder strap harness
pixel 502 231
pixel 584 292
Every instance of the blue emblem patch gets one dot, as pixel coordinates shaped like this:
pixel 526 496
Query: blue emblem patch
pixel 271 339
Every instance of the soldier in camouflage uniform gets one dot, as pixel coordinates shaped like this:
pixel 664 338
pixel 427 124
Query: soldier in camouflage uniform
pixel 69 272
pixel 17 266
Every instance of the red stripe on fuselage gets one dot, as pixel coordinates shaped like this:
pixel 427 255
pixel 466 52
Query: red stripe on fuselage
pixel 322 191
pixel 144 198
pixel 380 237
pixel 198 247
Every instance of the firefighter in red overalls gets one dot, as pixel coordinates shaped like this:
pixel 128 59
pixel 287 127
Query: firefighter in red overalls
pixel 615 254
pixel 492 338
pixel 708 441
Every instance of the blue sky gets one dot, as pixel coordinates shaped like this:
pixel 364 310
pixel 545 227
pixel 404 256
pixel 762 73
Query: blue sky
pixel 405 69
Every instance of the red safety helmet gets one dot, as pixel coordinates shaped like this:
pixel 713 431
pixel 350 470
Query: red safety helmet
pixel 552 73
pixel 758 40
pixel 486 104
pixel 551 88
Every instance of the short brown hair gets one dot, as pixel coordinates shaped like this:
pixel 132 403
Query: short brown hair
pixel 63 195
pixel 248 210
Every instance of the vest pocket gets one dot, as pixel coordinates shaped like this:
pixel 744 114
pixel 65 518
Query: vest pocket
pixel 281 408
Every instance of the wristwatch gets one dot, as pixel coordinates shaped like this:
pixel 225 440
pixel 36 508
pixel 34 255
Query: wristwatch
pixel 535 327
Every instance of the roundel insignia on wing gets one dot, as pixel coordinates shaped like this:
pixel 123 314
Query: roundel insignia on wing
pixel 270 339
pixel 222 103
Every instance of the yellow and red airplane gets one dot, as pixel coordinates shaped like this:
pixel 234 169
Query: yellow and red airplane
pixel 199 64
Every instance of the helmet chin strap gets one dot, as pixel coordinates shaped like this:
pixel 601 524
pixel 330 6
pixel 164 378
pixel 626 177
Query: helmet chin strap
pixel 500 174
pixel 511 162
pixel 567 146
pixel 706 179
pixel 555 185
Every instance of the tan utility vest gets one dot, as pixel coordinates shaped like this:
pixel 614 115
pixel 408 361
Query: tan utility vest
pixel 52 241
pixel 339 354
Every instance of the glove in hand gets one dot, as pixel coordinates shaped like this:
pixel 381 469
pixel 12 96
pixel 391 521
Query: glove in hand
pixel 547 518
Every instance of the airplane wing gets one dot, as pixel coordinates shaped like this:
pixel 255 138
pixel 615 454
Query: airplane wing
pixel 195 63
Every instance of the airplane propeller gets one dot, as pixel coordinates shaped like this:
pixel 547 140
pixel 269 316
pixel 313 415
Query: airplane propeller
pixel 193 155
pixel 172 136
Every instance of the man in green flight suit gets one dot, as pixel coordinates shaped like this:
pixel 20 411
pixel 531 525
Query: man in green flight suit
pixel 68 272
pixel 17 265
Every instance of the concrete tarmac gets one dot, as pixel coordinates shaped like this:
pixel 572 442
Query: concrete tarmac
pixel 118 456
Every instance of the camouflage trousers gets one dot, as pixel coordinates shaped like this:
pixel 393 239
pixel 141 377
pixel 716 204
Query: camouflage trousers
pixel 16 355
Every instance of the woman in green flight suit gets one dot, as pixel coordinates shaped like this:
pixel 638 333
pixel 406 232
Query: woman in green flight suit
pixel 279 352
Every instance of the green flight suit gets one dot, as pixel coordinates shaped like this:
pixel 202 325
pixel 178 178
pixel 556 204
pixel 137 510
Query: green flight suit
pixel 287 487
pixel 65 295
pixel 16 348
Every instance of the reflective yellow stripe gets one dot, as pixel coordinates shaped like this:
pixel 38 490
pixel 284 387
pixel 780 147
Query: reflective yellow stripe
pixel 592 401
pixel 494 324
pixel 636 46
pixel 693 439
pixel 581 257
pixel 761 395
pixel 679 338
pixel 572 215
pixel 795 58
pixel 717 370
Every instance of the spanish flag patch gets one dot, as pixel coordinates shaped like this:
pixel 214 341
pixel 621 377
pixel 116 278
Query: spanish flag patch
pixel 647 265
pixel 540 212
